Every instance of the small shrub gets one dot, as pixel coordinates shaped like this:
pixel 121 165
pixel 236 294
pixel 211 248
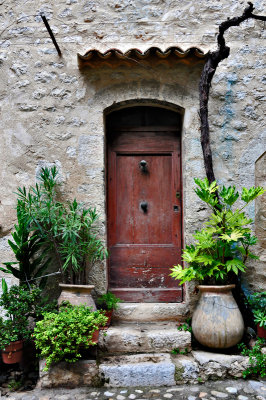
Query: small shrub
pixel 257 359
pixel 108 301
pixel 61 336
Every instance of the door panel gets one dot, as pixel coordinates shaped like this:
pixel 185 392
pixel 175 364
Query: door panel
pixel 144 242
pixel 135 226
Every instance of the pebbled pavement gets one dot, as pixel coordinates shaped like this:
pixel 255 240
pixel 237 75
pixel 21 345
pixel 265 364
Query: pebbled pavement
pixel 229 389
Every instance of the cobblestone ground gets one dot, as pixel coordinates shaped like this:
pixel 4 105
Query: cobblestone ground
pixel 240 390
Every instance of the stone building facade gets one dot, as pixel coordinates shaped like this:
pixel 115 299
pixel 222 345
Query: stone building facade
pixel 53 111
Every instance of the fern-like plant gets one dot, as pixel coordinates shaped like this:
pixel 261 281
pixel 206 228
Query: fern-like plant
pixel 221 248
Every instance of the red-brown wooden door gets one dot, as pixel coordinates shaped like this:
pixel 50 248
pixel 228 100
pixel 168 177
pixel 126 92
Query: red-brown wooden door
pixel 144 213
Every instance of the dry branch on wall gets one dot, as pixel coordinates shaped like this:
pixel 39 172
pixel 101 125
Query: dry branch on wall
pixel 212 62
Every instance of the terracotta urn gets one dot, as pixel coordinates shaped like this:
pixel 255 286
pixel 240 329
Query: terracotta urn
pixel 77 295
pixel 13 353
pixel 217 322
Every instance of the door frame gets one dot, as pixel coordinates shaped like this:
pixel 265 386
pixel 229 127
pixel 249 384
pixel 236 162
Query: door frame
pixel 156 104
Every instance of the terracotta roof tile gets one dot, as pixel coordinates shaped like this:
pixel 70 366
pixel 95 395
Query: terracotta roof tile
pixel 152 56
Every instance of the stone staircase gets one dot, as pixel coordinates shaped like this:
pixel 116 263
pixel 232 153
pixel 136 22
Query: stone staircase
pixel 136 349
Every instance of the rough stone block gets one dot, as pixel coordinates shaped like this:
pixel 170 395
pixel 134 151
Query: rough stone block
pixel 141 338
pixel 138 370
pixel 63 374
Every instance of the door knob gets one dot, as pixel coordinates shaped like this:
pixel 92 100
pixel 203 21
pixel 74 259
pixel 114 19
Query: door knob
pixel 144 206
pixel 143 166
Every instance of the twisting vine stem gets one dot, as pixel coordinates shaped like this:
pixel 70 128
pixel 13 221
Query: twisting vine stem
pixel 211 64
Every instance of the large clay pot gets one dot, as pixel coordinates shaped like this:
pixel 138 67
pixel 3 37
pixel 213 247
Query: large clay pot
pixel 77 295
pixel 13 353
pixel 217 321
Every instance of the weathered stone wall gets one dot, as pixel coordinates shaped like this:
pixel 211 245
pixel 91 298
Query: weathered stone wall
pixel 53 112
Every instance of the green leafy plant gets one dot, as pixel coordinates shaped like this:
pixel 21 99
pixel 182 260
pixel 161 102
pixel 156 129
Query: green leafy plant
pixel 222 247
pixel 14 385
pixel 260 317
pixel 108 301
pixel 18 303
pixel 68 229
pixel 257 302
pixel 29 250
pixel 181 352
pixel 61 336
pixel 257 359
pixel 185 326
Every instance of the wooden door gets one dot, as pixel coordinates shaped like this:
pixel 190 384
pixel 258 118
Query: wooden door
pixel 144 213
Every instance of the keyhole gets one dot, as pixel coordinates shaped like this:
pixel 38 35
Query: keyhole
pixel 144 206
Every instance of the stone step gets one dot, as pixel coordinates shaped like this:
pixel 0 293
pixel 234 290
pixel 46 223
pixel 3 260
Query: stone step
pixel 138 370
pixel 144 338
pixel 151 312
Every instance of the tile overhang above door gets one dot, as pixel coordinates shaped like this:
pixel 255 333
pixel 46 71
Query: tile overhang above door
pixel 152 56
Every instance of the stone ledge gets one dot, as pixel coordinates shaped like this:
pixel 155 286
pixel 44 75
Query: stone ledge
pixel 201 366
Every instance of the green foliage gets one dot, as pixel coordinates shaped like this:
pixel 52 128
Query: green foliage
pixel 181 352
pixel 19 303
pixel 29 250
pixel 257 359
pixel 68 229
pixel 257 301
pixel 14 385
pixel 60 336
pixel 186 326
pixel 222 247
pixel 260 317
pixel 108 301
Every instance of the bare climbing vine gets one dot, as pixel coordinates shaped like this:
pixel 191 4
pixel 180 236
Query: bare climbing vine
pixel 211 64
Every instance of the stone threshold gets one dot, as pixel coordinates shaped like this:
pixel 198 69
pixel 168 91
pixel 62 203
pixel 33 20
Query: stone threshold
pixel 153 369
pixel 151 312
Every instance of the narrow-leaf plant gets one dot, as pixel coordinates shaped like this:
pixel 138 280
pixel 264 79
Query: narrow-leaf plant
pixel 69 229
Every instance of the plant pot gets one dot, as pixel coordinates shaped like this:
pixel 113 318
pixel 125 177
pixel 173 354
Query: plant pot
pixel 217 322
pixel 77 295
pixel 13 353
pixel 95 336
pixel 108 314
pixel 261 331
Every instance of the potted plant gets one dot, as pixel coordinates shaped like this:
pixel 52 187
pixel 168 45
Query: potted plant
pixel 108 302
pixel 61 336
pixel 69 230
pixel 18 303
pixel 218 255
pixel 29 250
pixel 257 301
